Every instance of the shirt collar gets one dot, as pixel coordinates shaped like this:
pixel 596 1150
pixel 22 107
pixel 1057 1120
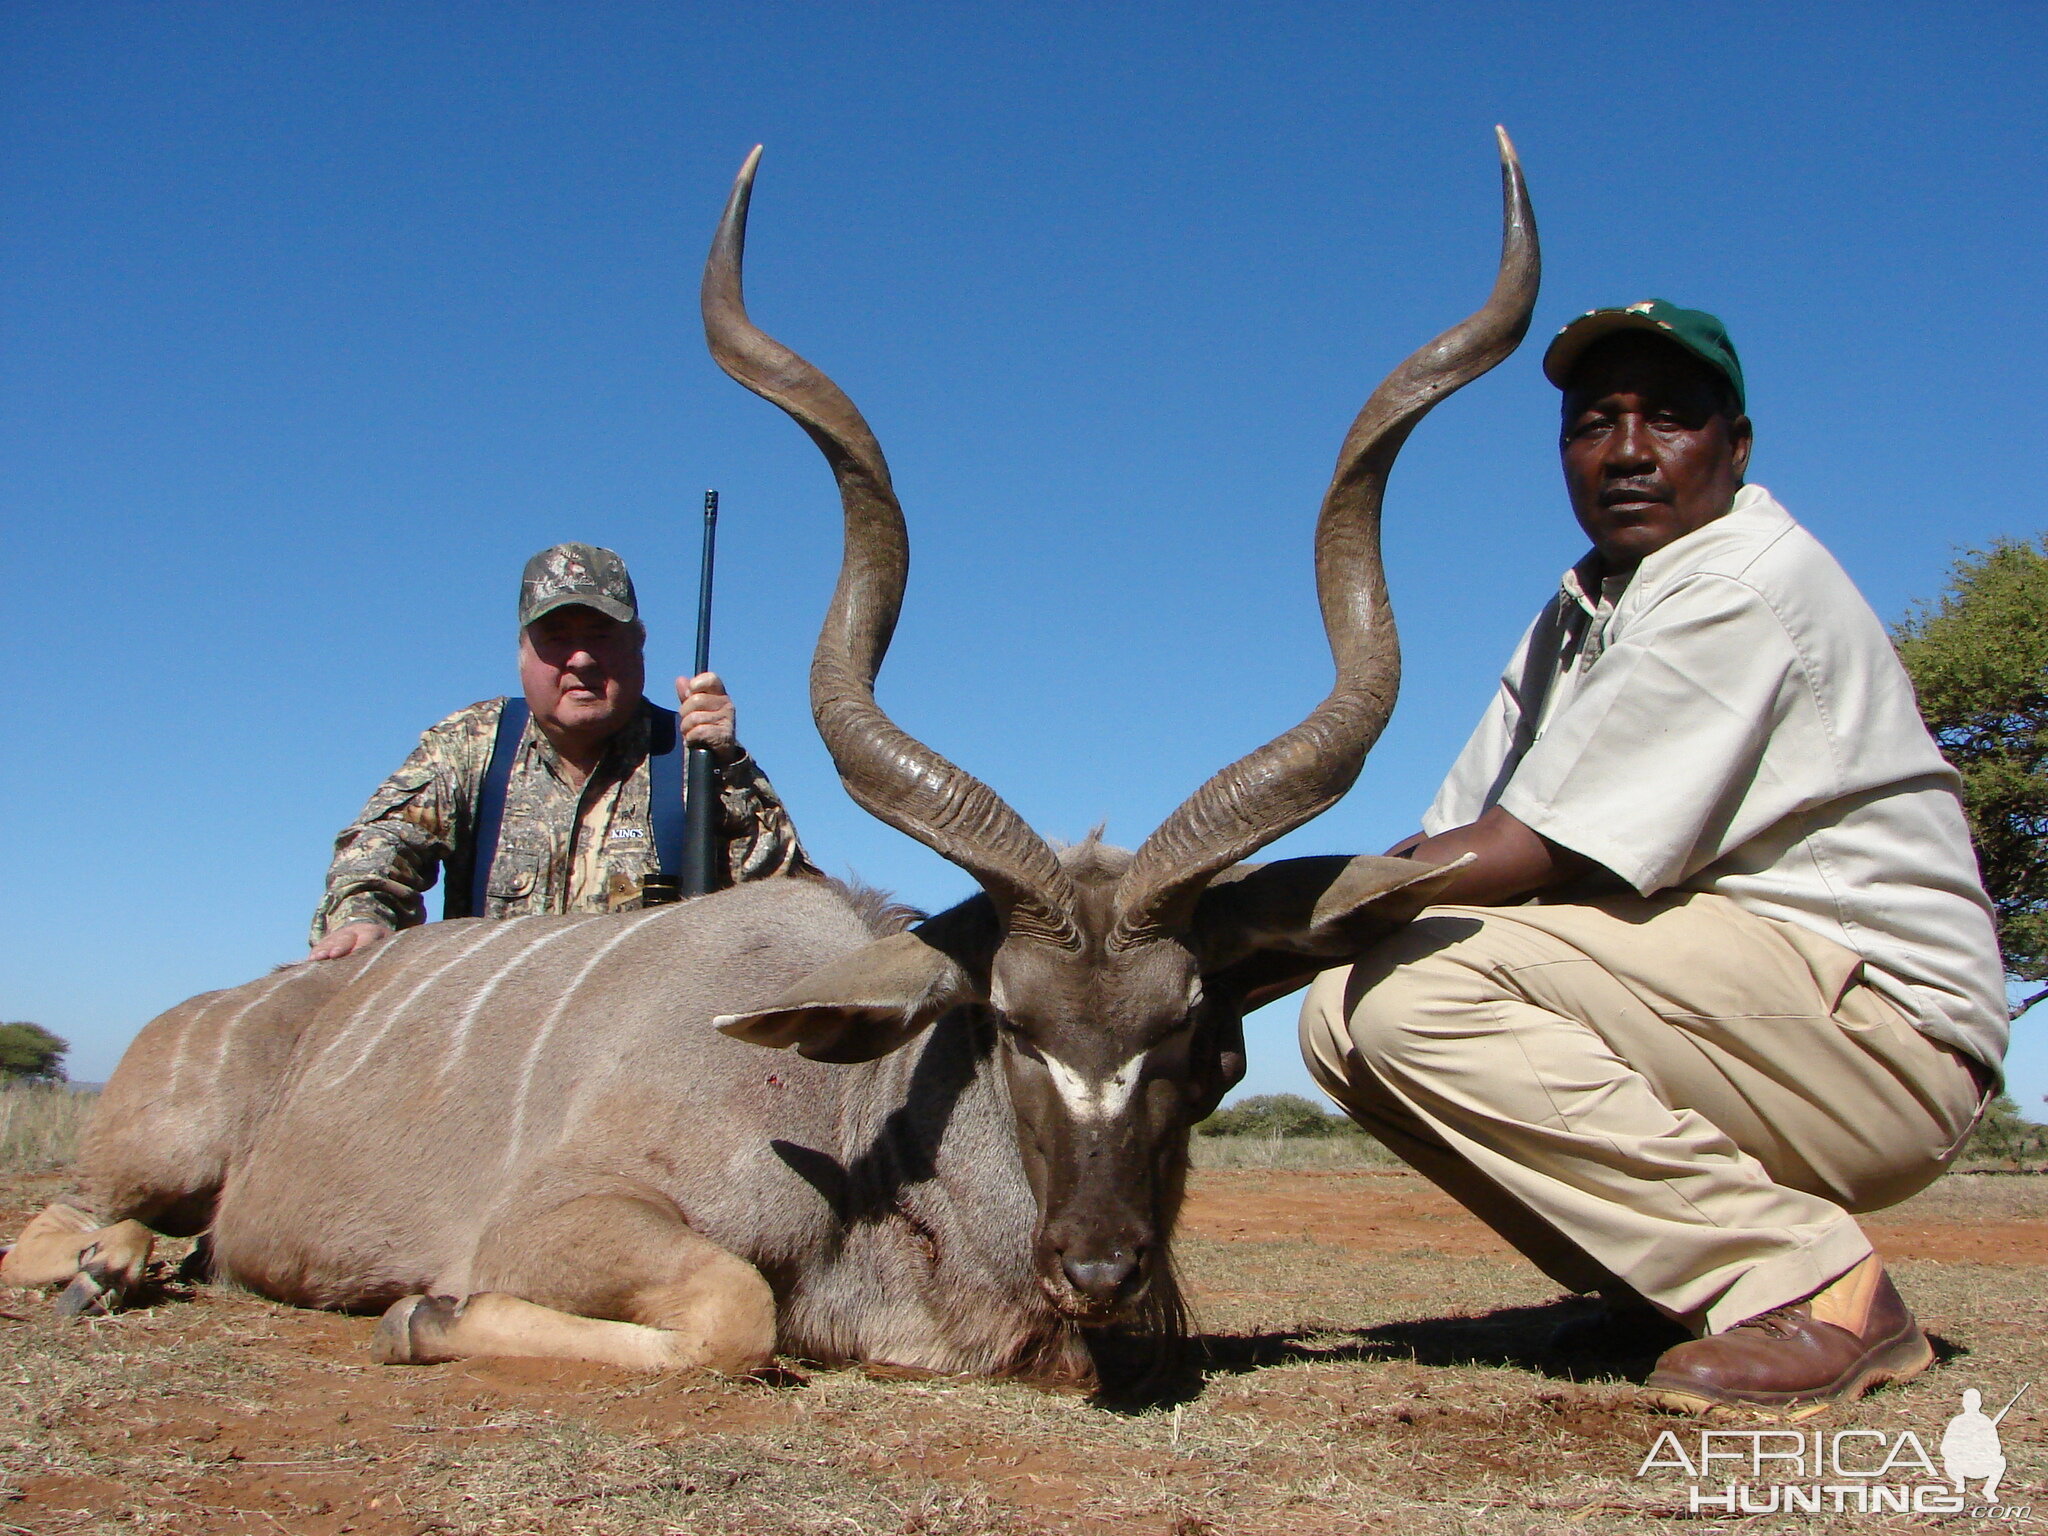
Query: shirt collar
pixel 627 747
pixel 1752 508
pixel 1584 587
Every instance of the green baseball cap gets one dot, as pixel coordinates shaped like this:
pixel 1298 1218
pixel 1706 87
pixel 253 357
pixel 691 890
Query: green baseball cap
pixel 1701 334
pixel 576 574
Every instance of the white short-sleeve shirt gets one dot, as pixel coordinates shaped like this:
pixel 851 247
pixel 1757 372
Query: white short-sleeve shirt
pixel 1732 718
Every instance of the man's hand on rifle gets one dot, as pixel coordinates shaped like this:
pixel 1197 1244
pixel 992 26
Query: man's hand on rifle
pixel 707 717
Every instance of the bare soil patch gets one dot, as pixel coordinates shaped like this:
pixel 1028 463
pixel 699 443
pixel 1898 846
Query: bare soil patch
pixel 1374 1361
pixel 1978 1218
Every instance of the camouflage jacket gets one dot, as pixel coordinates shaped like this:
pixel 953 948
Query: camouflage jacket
pixel 560 849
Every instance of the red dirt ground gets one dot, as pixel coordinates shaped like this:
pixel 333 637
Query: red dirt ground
pixel 1393 1212
pixel 335 1438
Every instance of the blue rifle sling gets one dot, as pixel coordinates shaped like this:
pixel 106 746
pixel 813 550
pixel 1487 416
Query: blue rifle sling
pixel 665 790
pixel 490 806
pixel 664 798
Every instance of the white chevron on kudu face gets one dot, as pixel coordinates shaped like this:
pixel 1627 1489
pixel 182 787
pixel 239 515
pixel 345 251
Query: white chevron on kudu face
pixel 1095 1101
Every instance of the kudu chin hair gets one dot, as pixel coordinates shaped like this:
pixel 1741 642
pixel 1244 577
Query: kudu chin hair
pixel 1117 980
pixel 521 1137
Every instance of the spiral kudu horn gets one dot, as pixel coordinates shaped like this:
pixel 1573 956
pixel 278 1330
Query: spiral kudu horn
pixel 894 777
pixel 1300 774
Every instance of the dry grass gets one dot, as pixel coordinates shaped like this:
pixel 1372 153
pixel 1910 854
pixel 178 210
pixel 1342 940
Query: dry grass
pixel 1325 1153
pixel 1348 1151
pixel 1339 1390
pixel 1993 1195
pixel 1406 1392
pixel 1403 1395
pixel 40 1125
pixel 1336 1154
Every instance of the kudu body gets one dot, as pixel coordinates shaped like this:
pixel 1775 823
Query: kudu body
pixel 528 1137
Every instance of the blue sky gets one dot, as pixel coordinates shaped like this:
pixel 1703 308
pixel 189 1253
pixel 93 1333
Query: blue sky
pixel 319 319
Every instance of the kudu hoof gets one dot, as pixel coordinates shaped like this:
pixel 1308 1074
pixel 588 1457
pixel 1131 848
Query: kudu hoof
pixel 409 1331
pixel 197 1268
pixel 93 1292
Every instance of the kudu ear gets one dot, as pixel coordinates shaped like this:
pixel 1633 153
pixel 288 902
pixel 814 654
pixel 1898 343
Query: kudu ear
pixel 880 997
pixel 1265 929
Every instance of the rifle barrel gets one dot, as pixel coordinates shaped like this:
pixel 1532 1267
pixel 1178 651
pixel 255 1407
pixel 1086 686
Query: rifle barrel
pixel 2008 1407
pixel 699 874
pixel 704 581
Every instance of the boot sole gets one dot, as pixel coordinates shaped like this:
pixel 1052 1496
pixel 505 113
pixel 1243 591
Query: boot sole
pixel 1899 1359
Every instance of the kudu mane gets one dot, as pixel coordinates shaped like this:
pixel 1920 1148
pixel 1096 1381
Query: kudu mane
pixel 878 910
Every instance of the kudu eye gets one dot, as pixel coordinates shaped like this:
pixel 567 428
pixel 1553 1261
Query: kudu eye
pixel 1020 1041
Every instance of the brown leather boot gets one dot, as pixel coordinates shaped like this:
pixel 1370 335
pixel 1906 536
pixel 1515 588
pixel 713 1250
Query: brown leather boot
pixel 1789 1364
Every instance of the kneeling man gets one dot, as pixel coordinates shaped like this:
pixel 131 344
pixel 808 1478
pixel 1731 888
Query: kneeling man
pixel 1720 971
pixel 552 801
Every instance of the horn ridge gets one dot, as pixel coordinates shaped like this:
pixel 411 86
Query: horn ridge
pixel 1305 770
pixel 890 774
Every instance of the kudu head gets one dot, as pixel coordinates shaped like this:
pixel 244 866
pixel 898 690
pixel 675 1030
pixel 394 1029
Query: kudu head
pixel 1116 981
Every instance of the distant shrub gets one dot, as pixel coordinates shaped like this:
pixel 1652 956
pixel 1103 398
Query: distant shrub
pixel 2003 1136
pixel 30 1053
pixel 1274 1114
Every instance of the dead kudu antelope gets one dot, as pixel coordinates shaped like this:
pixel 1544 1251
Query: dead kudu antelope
pixel 525 1137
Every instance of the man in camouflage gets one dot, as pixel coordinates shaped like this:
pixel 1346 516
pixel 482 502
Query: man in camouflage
pixel 575 834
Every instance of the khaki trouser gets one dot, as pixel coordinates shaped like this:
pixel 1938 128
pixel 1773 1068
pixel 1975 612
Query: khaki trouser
pixel 1668 1091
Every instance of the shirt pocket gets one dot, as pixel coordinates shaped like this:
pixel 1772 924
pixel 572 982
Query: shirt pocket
pixel 515 876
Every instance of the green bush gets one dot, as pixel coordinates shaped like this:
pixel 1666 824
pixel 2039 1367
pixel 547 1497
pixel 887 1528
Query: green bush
pixel 1979 662
pixel 1274 1114
pixel 2004 1136
pixel 29 1053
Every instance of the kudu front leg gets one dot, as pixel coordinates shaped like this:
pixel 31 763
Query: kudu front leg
pixel 97 1265
pixel 617 1279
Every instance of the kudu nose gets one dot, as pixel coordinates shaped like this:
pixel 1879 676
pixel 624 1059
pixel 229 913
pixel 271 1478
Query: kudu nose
pixel 1101 1280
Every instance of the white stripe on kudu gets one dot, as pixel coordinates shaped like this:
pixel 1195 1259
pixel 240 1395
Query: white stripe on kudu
pixel 220 1043
pixel 1095 1101
pixel 459 1038
pixel 378 955
pixel 540 1037
pixel 362 1006
pixel 186 1037
pixel 489 933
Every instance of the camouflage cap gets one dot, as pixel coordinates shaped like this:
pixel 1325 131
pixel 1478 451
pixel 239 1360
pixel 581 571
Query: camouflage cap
pixel 579 574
